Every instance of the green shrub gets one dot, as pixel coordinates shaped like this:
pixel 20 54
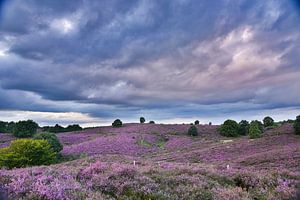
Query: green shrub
pixel 151 122
pixel 51 138
pixel 197 122
pixel 268 121
pixel 243 127
pixel 142 120
pixel 27 152
pixel 193 131
pixel 254 131
pixel 74 127
pixel 117 123
pixel 297 125
pixel 229 128
pixel 25 129
pixel 260 125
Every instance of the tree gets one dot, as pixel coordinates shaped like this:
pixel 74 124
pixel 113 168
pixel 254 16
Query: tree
pixel 197 122
pixel 243 127
pixel 74 127
pixel 151 122
pixel 25 129
pixel 193 131
pixel 117 123
pixel 229 128
pixel 142 120
pixel 254 131
pixel 3 127
pixel 51 138
pixel 260 125
pixel 297 125
pixel 268 121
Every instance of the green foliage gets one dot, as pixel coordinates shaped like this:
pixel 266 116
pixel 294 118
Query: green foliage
pixel 27 152
pixel 3 126
pixel 193 131
pixel 151 122
pixel 197 122
pixel 142 120
pixel 229 128
pixel 7 127
pixel 51 138
pixel 243 127
pixel 254 131
pixel 260 125
pixel 25 129
pixel 297 125
pixel 117 123
pixel 268 121
pixel 210 123
pixel 59 129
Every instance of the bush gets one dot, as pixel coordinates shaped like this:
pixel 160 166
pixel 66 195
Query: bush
pixel 74 127
pixel 27 152
pixel 117 123
pixel 25 129
pixel 51 138
pixel 142 120
pixel 193 131
pixel 254 131
pixel 297 125
pixel 151 122
pixel 243 127
pixel 229 128
pixel 197 122
pixel 268 121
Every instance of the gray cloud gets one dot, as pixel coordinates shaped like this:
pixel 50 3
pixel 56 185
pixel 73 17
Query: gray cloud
pixel 183 58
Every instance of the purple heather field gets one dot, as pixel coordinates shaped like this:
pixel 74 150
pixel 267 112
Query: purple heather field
pixel 156 161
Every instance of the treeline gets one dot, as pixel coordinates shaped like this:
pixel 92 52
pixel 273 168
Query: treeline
pixel 57 128
pixel 26 126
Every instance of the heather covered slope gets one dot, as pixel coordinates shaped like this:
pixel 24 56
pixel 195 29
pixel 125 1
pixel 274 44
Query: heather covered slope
pixel 168 165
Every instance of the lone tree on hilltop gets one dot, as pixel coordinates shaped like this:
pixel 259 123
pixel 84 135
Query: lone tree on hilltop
pixel 268 121
pixel 142 120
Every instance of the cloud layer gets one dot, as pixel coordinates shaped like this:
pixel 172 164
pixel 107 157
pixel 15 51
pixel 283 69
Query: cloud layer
pixel 164 60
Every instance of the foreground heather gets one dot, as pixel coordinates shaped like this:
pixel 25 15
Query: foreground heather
pixel 115 177
pixel 135 162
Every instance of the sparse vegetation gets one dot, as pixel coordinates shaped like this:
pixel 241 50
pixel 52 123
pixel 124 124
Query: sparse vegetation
pixel 229 128
pixel 117 123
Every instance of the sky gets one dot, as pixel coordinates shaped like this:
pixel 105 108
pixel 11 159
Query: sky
pixel 90 62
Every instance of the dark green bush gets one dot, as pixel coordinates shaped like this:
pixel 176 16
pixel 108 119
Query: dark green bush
pixel 25 129
pixel 260 125
pixel 193 131
pixel 268 121
pixel 243 127
pixel 58 129
pixel 3 126
pixel 117 123
pixel 229 128
pixel 197 122
pixel 27 152
pixel 51 138
pixel 297 125
pixel 142 120
pixel 254 131
pixel 151 122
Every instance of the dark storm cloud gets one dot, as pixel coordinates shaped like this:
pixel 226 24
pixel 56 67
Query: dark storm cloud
pixel 121 58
